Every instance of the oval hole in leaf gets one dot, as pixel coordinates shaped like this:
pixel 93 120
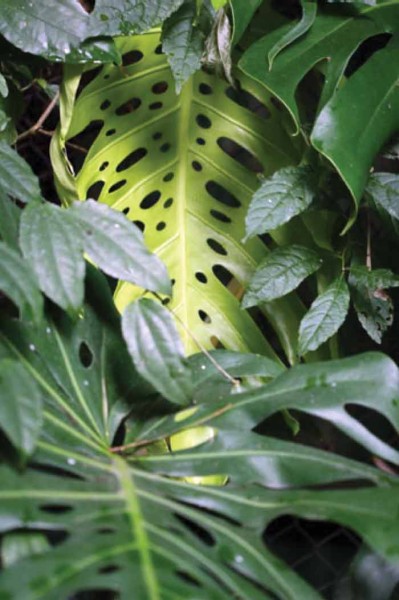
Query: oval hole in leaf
pixel 131 159
pixel 187 578
pixel 95 190
pixel 104 105
pixel 56 509
pixel 216 343
pixel 205 318
pixel 196 165
pixel 205 89
pixel 117 186
pixel 203 121
pixel 128 107
pixel 155 105
pixel 109 569
pixel 216 247
pixel 85 355
pixel 160 87
pixel 220 216
pixel 240 154
pixel 202 534
pixel 218 192
pixel 247 100
pixel 222 274
pixel 131 58
pixel 150 200
pixel 202 278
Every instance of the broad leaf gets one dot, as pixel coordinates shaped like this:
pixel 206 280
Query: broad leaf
pixel 325 317
pixel 374 279
pixel 16 176
pixel 18 283
pixel 9 221
pixel 20 407
pixel 117 247
pixel 282 196
pixel 183 43
pixel 370 125
pixel 51 242
pixel 156 349
pixel 280 273
pixel 384 189
pixel 183 168
pixel 242 13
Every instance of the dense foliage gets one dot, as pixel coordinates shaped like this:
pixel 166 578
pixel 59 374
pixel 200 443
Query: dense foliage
pixel 207 285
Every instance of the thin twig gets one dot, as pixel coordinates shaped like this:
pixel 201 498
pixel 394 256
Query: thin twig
pixel 202 348
pixel 368 251
pixel 36 126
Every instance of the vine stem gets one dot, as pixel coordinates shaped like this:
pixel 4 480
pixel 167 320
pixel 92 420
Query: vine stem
pixel 202 348
pixel 36 126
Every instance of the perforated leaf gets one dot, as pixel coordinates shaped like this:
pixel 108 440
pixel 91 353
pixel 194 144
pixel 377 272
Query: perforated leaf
pixel 183 168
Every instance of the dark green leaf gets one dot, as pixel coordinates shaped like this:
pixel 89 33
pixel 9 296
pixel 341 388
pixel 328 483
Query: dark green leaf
pixel 280 197
pixel 309 11
pixel 242 12
pixel 280 273
pixel 116 245
pixel 384 189
pixel 156 349
pixel 340 127
pixel 183 43
pixel 18 283
pixel 325 317
pixel 9 221
pixel 375 279
pixel 16 176
pixel 52 244
pixel 20 407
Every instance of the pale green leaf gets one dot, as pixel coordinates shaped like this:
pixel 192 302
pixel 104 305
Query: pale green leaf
pixel 52 244
pixel 280 273
pixel 280 197
pixel 156 349
pixel 325 317
pixel 18 545
pixel 116 245
pixel 20 407
pixel 16 176
pixel 18 283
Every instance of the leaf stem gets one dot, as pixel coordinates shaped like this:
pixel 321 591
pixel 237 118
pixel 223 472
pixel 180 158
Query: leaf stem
pixel 36 126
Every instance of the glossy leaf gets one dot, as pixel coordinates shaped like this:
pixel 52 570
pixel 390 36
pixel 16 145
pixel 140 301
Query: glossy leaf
pixel 280 273
pixel 16 176
pixel 18 283
pixel 20 407
pixel 170 162
pixel 384 189
pixel 52 244
pixel 309 11
pixel 9 221
pixel 183 43
pixel 156 349
pixel 117 247
pixel 371 124
pixel 280 197
pixel 242 13
pixel 325 317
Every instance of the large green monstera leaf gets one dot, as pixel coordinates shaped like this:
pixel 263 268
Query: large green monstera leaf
pixel 183 168
pixel 123 522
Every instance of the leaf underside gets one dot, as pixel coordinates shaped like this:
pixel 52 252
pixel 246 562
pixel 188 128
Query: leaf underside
pixel 183 168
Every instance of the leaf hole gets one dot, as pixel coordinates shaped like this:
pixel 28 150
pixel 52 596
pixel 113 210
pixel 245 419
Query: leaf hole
pixel 165 147
pixel 140 225
pixel 56 509
pixel 128 107
pixel 109 569
pixel 155 105
pixel 277 104
pixel 187 578
pixel 157 135
pixel 85 355
pixel 216 247
pixel 219 193
pixel 203 121
pixel 216 343
pixel 168 177
pixel 106 104
pixel 150 200
pixel 126 210
pixel 131 159
pixel 240 154
pixel 117 186
pixel 110 132
pixel 168 203
pixel 201 277
pixel 200 141
pixel 205 89
pixel 196 165
pixel 160 87
pixel 247 100
pixel 161 226
pixel 158 49
pixel 131 58
pixel 223 274
pixel 200 532
pixel 106 530
pixel 219 216
pixel 104 166
pixel 205 318
pixel 95 190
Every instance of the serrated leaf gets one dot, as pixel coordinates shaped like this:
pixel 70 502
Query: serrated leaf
pixel 10 216
pixel 156 349
pixel 52 244
pixel 116 245
pixel 309 11
pixel 384 189
pixel 325 317
pixel 183 43
pixel 18 283
pixel 282 196
pixel 374 279
pixel 20 407
pixel 16 176
pixel 280 273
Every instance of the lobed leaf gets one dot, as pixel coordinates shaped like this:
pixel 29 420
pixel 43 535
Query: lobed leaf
pixel 325 317
pixel 280 273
